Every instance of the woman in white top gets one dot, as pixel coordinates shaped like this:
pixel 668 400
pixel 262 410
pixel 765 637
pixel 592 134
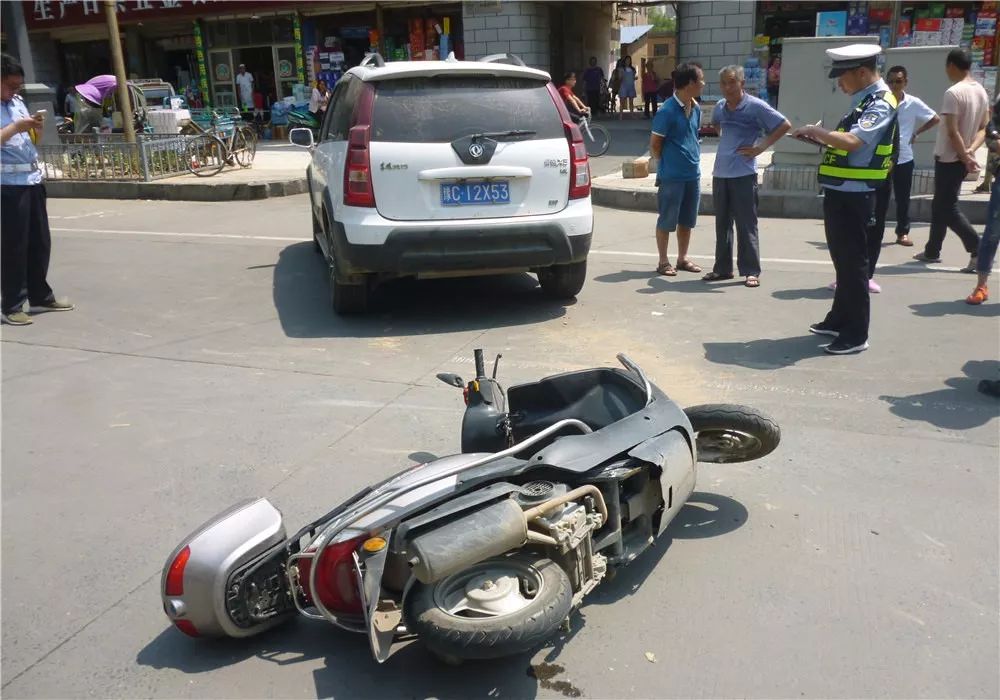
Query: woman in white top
pixel 318 100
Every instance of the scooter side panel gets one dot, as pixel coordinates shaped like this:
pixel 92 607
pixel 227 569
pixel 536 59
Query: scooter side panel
pixel 673 453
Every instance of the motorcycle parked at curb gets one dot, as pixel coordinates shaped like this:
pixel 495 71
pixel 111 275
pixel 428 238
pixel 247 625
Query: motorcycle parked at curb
pixel 481 554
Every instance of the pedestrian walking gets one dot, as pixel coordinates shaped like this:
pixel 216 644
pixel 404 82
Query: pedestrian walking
pixel 741 120
pixel 615 83
pixel 965 111
pixel 674 147
pixel 856 159
pixel 25 243
pixel 914 118
pixel 650 84
pixel 593 75
pixel 991 236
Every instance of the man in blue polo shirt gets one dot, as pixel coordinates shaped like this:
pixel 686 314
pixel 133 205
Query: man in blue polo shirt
pixel 742 120
pixel 674 147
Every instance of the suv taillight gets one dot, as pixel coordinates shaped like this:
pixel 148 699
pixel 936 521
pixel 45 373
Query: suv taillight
pixel 358 191
pixel 579 166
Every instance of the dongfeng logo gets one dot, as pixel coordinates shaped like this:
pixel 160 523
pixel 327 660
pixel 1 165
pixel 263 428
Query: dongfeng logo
pixel 476 150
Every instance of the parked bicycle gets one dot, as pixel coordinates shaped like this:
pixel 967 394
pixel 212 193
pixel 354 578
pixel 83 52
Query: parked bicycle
pixel 226 141
pixel 596 137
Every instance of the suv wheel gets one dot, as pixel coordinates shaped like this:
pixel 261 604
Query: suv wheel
pixel 563 281
pixel 348 298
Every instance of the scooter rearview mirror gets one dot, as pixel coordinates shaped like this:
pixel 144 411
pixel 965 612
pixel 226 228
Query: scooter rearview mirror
pixel 451 379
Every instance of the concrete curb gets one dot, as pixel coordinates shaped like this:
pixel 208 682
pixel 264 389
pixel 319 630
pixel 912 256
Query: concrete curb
pixel 204 191
pixel 784 205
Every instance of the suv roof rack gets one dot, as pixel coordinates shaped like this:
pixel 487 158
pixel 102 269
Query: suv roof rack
pixel 502 57
pixel 373 60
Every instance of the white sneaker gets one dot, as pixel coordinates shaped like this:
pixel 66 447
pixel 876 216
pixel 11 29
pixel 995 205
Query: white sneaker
pixel 874 287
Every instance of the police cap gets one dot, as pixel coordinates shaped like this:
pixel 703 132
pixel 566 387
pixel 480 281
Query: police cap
pixel 852 56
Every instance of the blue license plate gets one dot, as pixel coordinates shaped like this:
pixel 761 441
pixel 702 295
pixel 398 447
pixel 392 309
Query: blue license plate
pixel 458 194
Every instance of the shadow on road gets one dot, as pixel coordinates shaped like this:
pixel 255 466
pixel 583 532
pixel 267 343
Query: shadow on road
pixel 915 267
pixel 348 669
pixel 404 307
pixel 810 293
pixel 957 307
pixel 765 353
pixel 959 407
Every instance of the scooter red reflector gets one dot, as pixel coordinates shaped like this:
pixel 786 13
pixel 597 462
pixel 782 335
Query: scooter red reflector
pixel 175 576
pixel 187 627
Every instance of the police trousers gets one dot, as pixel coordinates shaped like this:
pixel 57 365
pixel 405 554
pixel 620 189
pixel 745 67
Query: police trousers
pixel 26 246
pixel 845 220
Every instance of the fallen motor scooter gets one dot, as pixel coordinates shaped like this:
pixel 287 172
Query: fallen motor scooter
pixel 481 554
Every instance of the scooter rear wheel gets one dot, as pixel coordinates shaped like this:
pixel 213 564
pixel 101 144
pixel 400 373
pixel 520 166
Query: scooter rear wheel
pixel 499 607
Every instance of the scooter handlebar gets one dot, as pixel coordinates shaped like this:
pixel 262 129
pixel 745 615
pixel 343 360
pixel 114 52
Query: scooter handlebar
pixel 480 365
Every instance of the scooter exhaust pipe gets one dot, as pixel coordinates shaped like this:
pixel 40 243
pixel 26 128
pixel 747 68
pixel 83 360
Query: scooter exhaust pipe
pixel 486 533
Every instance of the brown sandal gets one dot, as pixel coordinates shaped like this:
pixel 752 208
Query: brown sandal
pixel 715 277
pixel 688 266
pixel 666 269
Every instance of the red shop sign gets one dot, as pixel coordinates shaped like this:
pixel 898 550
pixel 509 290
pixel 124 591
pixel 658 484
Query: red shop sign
pixel 42 14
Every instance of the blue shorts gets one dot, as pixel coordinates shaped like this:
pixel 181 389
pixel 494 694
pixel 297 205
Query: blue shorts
pixel 677 202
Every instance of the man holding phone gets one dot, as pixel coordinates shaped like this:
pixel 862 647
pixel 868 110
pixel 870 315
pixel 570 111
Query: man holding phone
pixel 24 221
pixel 742 119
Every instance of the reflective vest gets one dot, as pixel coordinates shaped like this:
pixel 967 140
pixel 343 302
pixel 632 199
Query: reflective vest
pixel 834 168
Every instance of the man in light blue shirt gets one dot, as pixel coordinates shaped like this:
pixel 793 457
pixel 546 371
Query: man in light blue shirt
pixel 24 221
pixel 742 120
pixel 673 144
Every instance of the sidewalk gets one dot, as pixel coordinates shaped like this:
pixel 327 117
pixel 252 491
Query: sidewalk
pixel 279 170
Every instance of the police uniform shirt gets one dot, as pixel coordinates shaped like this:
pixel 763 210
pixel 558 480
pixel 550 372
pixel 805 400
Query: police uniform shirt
pixel 19 149
pixel 869 127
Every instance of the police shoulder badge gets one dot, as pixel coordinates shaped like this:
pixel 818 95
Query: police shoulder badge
pixel 869 119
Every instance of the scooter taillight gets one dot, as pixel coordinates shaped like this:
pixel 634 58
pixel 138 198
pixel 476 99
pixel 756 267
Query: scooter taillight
pixel 336 582
pixel 175 575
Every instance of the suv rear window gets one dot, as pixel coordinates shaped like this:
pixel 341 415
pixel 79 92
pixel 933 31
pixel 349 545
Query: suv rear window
pixel 442 109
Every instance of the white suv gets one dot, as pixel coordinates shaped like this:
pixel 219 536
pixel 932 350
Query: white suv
pixel 448 168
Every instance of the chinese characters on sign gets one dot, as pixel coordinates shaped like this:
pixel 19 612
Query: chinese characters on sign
pixel 42 13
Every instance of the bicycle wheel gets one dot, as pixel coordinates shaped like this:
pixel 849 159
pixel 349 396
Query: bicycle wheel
pixel 244 146
pixel 597 140
pixel 205 155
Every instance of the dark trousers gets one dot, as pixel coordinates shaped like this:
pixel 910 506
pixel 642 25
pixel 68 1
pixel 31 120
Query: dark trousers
pixel 594 101
pixel 945 214
pixel 735 199
pixel 650 99
pixel 26 245
pixel 845 220
pixel 899 183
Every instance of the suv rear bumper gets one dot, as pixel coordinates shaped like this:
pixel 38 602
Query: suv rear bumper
pixel 409 248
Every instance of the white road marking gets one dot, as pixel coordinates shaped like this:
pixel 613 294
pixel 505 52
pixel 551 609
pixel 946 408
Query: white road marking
pixel 179 234
pixel 596 251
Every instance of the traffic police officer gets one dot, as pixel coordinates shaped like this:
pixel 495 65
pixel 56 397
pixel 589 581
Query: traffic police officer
pixel 857 158
pixel 24 222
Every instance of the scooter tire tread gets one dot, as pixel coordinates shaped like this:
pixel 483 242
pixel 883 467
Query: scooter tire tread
pixel 448 636
pixel 745 418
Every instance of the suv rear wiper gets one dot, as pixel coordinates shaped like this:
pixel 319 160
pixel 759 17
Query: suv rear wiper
pixel 502 134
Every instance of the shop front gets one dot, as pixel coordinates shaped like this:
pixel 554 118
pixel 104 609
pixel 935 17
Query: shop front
pixel 971 25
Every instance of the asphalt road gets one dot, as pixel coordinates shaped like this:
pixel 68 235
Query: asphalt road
pixel 203 366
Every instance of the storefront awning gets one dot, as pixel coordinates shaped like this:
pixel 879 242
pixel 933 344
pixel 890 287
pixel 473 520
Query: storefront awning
pixel 631 34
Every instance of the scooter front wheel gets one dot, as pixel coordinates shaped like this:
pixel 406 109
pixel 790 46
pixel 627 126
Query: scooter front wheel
pixel 499 607
pixel 732 433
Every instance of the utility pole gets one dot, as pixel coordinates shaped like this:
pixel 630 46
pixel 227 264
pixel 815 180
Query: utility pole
pixel 119 63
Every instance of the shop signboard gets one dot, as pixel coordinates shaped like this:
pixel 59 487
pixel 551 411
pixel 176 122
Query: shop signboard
pixel 55 14
pixel 831 23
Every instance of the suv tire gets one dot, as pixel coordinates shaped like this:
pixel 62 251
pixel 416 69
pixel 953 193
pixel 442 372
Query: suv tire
pixel 348 298
pixel 563 281
pixel 317 232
